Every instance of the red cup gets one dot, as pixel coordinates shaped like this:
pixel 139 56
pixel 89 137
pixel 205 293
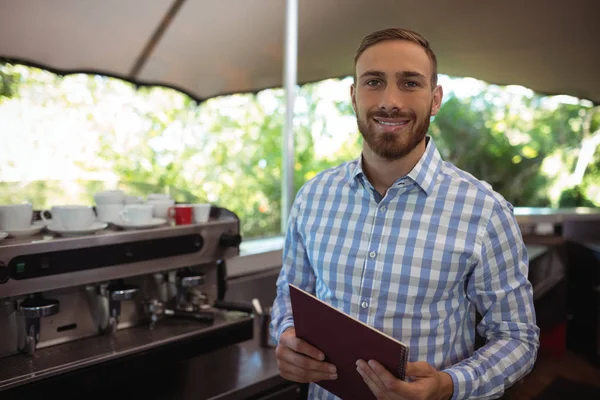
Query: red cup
pixel 181 213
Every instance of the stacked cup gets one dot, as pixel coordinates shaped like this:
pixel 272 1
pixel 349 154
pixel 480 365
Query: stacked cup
pixel 161 204
pixel 109 205
pixel 16 217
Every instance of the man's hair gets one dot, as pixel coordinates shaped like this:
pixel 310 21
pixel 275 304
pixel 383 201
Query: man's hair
pixel 398 34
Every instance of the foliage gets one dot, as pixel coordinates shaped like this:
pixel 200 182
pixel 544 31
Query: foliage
pixel 9 83
pixel 506 144
pixel 575 197
pixel 104 133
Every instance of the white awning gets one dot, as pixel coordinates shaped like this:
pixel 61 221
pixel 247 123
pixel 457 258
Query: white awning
pixel 212 47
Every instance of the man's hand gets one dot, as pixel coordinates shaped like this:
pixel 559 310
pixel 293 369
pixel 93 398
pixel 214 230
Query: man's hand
pixel 298 361
pixel 426 382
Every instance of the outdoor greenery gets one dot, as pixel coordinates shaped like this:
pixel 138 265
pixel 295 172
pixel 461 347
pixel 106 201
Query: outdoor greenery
pixel 67 137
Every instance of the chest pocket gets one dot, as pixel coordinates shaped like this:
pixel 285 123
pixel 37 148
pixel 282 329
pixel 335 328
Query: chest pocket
pixel 429 270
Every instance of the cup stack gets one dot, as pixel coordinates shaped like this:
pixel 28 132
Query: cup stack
pixel 161 203
pixel 109 205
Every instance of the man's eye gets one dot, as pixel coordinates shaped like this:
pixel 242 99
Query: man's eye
pixel 372 82
pixel 411 84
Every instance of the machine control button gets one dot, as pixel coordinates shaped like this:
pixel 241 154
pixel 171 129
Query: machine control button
pixel 228 240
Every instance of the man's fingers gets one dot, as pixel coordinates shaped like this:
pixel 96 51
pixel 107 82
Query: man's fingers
pixel 300 346
pixel 370 379
pixel 289 356
pixel 388 380
pixel 309 364
pixel 297 374
pixel 298 360
pixel 367 370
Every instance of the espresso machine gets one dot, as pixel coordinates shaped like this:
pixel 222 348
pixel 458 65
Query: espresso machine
pixel 115 298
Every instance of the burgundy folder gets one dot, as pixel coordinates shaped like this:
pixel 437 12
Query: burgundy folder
pixel 344 340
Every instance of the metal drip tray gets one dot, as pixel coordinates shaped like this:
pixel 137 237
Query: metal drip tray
pixel 21 369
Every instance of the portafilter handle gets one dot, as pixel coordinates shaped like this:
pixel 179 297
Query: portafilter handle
pixel 186 280
pixel 33 309
pixel 122 292
pixel 191 280
pixel 116 294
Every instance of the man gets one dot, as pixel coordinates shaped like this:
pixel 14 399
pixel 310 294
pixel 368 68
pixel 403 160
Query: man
pixel 408 244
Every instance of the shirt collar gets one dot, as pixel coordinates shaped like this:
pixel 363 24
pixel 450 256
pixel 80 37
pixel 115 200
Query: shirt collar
pixel 423 174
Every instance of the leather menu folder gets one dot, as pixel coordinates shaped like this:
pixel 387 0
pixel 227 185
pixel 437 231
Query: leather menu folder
pixel 344 340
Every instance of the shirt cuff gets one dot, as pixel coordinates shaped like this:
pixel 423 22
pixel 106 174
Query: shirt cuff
pixel 459 382
pixel 286 324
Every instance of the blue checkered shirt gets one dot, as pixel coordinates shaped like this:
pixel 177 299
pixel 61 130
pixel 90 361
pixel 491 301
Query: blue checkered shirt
pixel 416 264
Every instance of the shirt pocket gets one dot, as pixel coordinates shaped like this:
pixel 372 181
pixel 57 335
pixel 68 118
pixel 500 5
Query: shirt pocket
pixel 436 272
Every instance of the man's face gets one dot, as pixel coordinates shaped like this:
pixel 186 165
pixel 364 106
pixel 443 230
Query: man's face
pixel 393 98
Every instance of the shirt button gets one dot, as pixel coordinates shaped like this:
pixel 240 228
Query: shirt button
pixel 372 254
pixel 364 304
pixel 383 208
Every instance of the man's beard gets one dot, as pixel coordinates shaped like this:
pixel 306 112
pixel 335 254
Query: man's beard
pixel 392 146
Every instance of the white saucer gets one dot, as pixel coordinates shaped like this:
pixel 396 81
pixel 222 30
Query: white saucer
pixel 24 232
pixel 3 235
pixel 152 224
pixel 96 227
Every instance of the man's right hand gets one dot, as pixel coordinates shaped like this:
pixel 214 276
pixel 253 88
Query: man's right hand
pixel 298 361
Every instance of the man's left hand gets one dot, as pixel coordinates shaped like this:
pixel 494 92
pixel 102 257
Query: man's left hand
pixel 426 382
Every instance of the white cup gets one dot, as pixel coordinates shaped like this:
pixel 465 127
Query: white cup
pixel 15 216
pixel 158 196
pixel 201 212
pixel 137 214
pixel 133 200
pixel 109 197
pixel 72 217
pixel 109 213
pixel 161 207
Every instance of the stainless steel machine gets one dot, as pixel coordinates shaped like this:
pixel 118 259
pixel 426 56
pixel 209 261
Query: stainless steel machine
pixel 69 304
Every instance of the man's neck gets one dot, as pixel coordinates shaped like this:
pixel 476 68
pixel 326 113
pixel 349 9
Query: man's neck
pixel 382 173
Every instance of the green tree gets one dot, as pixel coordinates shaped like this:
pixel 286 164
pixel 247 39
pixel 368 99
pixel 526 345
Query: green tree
pixel 227 150
pixel 506 143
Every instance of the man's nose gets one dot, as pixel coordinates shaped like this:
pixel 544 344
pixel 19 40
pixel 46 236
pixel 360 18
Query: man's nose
pixel 391 99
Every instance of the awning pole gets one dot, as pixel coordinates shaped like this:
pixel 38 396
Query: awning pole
pixel 290 67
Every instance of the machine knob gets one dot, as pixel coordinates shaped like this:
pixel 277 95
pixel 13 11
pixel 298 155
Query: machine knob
pixel 227 240
pixel 4 273
pixel 39 307
pixel 122 292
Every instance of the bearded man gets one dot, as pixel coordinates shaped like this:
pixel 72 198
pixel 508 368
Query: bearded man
pixel 408 244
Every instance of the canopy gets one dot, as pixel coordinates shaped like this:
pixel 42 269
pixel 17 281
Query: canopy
pixel 207 48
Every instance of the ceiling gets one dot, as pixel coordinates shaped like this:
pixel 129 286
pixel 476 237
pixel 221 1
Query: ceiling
pixel 207 48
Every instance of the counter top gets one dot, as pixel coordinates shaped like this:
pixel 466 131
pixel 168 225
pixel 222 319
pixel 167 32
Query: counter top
pixel 535 251
pixel 235 372
pixel 535 215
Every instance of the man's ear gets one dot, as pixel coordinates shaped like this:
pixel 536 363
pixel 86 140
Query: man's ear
pixel 436 103
pixel 353 96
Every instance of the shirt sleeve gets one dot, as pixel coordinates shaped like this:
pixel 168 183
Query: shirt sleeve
pixel 296 269
pixel 500 290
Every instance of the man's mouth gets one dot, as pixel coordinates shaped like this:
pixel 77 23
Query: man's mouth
pixel 391 124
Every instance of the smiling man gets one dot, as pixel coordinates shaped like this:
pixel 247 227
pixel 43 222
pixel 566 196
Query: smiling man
pixel 410 245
